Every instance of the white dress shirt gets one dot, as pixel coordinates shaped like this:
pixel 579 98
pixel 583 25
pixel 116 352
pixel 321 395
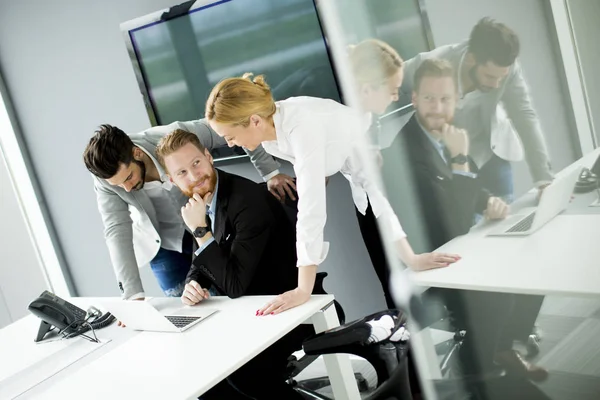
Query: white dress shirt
pixel 320 137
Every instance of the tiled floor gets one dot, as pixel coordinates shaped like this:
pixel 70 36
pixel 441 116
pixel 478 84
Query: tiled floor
pixel 570 349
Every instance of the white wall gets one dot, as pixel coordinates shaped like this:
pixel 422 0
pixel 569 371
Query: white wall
pixel 585 18
pixel 452 21
pixel 67 70
pixel 21 278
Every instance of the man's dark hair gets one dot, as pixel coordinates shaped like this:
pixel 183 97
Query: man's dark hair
pixel 107 149
pixel 494 41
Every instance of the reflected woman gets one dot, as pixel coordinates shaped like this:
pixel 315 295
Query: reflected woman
pixel 377 70
pixel 320 137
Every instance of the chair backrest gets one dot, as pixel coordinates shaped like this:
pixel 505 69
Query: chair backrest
pixel 319 289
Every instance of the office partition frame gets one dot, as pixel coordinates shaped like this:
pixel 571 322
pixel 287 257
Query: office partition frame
pixel 573 75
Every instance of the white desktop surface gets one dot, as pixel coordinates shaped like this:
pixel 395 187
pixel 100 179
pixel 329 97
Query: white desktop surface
pixel 154 365
pixel 560 258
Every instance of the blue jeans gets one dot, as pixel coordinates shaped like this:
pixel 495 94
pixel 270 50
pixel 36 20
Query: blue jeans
pixel 171 267
pixel 496 176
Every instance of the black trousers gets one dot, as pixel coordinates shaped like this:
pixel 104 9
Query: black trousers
pixel 493 321
pixel 372 238
pixel 263 377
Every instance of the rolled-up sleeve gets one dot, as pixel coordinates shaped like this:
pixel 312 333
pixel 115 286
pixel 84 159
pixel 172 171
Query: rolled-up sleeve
pixel 309 151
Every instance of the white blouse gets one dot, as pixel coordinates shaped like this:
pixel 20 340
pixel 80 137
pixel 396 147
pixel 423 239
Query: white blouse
pixel 320 137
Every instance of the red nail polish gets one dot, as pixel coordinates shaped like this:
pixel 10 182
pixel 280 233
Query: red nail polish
pixel 272 313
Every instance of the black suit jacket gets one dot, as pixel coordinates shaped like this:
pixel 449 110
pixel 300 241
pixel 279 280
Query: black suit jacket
pixel 254 252
pixel 448 201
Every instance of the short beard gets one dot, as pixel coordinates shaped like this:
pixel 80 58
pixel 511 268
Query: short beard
pixel 142 166
pixel 189 191
pixel 423 121
pixel 475 80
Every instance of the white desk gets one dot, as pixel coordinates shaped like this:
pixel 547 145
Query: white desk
pixel 560 258
pixel 154 365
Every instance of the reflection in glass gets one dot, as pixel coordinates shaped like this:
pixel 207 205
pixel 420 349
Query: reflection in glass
pixel 475 330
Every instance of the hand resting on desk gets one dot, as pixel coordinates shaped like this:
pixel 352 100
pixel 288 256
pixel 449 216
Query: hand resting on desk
pixel 425 261
pixel 496 209
pixel 193 293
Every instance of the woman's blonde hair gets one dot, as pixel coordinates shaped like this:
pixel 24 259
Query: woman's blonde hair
pixel 374 62
pixel 234 100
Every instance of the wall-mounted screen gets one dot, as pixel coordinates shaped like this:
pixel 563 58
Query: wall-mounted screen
pixel 179 54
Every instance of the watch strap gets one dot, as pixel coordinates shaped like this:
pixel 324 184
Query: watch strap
pixel 201 231
pixel 459 159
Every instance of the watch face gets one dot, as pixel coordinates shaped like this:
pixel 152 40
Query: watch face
pixel 201 231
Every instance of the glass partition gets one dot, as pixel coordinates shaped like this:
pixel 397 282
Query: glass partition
pixel 484 169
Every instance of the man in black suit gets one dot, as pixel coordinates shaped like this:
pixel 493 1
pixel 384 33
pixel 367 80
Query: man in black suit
pixel 246 246
pixel 450 196
pixel 443 173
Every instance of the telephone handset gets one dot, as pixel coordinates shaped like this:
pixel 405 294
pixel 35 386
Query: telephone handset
pixel 56 312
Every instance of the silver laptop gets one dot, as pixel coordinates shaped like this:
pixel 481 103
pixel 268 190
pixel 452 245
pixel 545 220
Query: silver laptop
pixel 554 200
pixel 142 316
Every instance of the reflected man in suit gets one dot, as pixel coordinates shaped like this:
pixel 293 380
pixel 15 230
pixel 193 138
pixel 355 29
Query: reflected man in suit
pixel 450 194
pixel 246 246
pixel 493 98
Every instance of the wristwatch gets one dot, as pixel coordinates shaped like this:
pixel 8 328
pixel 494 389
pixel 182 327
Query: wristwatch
pixel 201 231
pixel 459 159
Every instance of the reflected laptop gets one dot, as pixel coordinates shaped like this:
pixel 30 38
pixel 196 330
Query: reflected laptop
pixel 554 200
pixel 142 316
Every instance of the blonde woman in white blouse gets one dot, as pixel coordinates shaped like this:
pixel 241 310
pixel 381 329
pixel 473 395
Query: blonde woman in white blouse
pixel 320 137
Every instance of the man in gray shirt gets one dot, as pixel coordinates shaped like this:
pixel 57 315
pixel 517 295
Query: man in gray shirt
pixel 493 102
pixel 141 208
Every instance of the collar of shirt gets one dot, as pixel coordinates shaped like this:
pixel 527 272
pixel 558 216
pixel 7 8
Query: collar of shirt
pixel 437 144
pixel 212 207
pixel 164 178
pixel 278 124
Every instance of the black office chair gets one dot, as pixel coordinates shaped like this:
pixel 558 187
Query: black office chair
pixel 381 339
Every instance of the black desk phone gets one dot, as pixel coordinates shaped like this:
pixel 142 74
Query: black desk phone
pixel 67 318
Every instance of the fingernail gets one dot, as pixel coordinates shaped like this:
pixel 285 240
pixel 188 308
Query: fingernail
pixel 272 313
pixel 256 312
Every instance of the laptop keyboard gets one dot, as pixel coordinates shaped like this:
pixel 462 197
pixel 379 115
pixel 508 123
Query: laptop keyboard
pixel 180 321
pixel 523 225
